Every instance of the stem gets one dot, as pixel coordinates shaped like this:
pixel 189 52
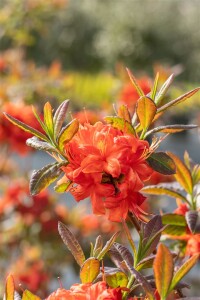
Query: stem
pixel 134 221
pixel 131 280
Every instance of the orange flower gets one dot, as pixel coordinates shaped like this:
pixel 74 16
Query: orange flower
pixel 97 291
pixel 109 167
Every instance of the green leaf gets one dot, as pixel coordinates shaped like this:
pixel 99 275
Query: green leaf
pixel 90 270
pixel 108 245
pixel 183 270
pixel 171 128
pixel 183 174
pixel 71 242
pixel 146 111
pixel 120 124
pixel 10 288
pixel 160 190
pixel 155 86
pixel 67 133
pixel 176 224
pixel 163 267
pixel 118 279
pixel 26 127
pixel 61 188
pixel 42 178
pixel 162 163
pixel 196 174
pixel 34 142
pixel 48 118
pixel 59 117
pixel 159 97
pixel 27 295
pixel 135 84
pixel 178 100
pixel 39 119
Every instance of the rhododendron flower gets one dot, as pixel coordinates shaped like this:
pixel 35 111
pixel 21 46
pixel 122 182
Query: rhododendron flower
pixel 97 291
pixel 108 166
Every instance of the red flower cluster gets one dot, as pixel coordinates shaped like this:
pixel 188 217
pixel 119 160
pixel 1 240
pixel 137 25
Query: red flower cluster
pixel 97 291
pixel 108 166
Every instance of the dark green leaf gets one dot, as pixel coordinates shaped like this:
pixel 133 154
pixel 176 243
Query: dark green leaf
pixel 42 178
pixel 71 242
pixel 162 163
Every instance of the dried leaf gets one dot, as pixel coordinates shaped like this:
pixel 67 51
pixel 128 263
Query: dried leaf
pixel 183 175
pixel 89 270
pixel 71 242
pixel 26 127
pixel 42 178
pixel 146 111
pixel 162 163
pixel 163 267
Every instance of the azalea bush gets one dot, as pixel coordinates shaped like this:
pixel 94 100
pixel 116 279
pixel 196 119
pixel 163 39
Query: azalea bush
pixel 112 162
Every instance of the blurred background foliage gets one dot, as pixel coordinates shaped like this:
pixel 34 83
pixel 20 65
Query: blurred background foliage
pixel 94 35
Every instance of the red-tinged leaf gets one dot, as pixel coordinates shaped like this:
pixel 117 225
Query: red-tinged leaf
pixel 191 219
pixel 164 89
pixel 71 242
pixel 183 175
pixel 108 245
pixel 146 111
pixel 67 133
pixel 42 178
pixel 163 267
pixel 146 263
pixel 48 118
pixel 120 124
pixel 61 188
pixel 171 128
pixel 124 113
pixel 183 270
pixel 159 190
pixel 98 246
pixel 27 295
pixel 34 142
pixel 59 117
pixel 135 84
pixel 26 127
pixel 90 270
pixel 155 86
pixel 118 279
pixel 10 288
pixel 121 253
pixel 162 163
pixel 178 100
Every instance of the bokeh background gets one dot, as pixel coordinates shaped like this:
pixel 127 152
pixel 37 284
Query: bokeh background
pixel 52 50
